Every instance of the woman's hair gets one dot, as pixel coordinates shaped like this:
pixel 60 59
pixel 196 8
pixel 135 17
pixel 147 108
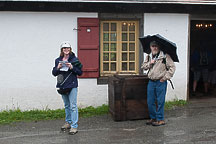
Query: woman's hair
pixel 62 54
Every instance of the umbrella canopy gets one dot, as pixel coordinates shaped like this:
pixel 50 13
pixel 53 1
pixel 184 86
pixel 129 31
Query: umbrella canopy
pixel 165 45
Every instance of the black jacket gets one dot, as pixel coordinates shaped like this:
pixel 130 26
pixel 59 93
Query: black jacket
pixel 71 82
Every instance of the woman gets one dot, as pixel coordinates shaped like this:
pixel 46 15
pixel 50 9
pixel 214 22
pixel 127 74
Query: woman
pixel 66 68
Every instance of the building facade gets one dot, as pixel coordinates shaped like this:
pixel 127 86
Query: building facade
pixel 104 35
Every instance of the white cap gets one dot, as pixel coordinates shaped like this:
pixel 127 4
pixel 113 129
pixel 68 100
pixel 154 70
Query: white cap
pixel 65 44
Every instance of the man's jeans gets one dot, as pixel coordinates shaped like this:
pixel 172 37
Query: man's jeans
pixel 156 92
pixel 71 110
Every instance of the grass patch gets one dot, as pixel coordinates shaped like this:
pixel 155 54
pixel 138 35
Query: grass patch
pixel 91 111
pixel 7 117
pixel 176 103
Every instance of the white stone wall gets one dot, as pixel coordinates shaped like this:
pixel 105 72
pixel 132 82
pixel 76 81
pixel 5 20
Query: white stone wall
pixel 29 43
pixel 174 27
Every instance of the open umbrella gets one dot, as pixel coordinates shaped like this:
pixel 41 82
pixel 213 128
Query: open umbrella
pixel 165 45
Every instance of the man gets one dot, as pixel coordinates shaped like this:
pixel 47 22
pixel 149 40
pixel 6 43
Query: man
pixel 200 62
pixel 160 68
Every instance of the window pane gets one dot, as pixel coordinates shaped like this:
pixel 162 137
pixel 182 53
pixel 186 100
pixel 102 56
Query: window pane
pixel 132 46
pixel 124 36
pixel 124 56
pixel 113 66
pixel 106 66
pixel 118 46
pixel 106 57
pixel 106 47
pixel 124 26
pixel 124 46
pixel 113 36
pixel 124 66
pixel 132 56
pixel 113 26
pixel 113 56
pixel 131 66
pixel 106 27
pixel 113 47
pixel 132 27
pixel 106 36
pixel 132 36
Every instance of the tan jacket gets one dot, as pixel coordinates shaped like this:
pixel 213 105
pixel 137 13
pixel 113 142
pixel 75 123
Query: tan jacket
pixel 158 70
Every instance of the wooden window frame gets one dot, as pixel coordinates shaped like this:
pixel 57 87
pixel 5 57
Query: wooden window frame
pixel 119 48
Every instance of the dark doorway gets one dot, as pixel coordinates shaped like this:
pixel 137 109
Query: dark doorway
pixel 203 59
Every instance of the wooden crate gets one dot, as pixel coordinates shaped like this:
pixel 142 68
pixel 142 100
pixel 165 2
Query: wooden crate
pixel 128 97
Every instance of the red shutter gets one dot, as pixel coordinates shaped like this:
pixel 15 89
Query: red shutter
pixel 88 46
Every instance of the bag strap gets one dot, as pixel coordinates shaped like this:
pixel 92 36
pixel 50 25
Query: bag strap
pixel 148 61
pixel 171 84
pixel 66 79
pixel 164 61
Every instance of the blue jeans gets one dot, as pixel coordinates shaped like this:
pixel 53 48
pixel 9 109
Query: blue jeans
pixel 71 110
pixel 156 92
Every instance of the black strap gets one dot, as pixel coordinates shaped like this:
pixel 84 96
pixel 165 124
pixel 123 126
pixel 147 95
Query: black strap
pixel 171 84
pixel 66 79
pixel 164 61
pixel 148 61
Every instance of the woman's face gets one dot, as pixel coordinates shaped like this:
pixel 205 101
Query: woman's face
pixel 66 50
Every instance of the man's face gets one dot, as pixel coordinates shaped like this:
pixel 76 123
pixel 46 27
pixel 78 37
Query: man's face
pixel 154 49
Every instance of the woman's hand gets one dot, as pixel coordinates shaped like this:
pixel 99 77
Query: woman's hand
pixel 59 66
pixel 69 65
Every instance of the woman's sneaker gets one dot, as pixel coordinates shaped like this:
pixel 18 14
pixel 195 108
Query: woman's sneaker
pixel 65 126
pixel 73 131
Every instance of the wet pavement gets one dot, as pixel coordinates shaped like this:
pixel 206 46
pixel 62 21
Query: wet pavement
pixel 192 124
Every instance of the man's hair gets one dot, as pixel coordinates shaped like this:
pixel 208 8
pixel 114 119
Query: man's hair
pixel 154 43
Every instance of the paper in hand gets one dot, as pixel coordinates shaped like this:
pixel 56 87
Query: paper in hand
pixel 64 66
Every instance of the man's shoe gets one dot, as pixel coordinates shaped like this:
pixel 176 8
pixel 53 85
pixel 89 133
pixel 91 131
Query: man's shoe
pixel 73 131
pixel 158 123
pixel 149 122
pixel 65 126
